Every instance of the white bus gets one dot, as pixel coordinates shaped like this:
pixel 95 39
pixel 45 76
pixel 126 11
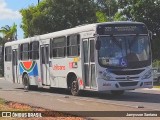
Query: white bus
pixel 111 56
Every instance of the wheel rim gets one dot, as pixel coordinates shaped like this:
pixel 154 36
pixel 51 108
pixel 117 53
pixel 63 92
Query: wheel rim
pixel 25 82
pixel 74 86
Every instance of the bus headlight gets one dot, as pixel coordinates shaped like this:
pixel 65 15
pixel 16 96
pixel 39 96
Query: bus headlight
pixel 147 75
pixel 105 76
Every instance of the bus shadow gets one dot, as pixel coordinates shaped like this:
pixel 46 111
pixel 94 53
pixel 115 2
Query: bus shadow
pixel 129 96
pixel 51 90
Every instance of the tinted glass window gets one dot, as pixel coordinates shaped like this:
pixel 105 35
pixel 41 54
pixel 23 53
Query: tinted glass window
pixel 58 47
pixel 73 45
pixel 8 53
pixel 34 50
pixel 24 54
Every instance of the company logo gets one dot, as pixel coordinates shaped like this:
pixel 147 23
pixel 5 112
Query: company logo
pixel 30 67
pixel 128 78
pixel 6 114
pixel 57 67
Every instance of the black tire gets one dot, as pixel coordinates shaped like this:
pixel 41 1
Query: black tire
pixel 74 87
pixel 26 84
pixel 117 92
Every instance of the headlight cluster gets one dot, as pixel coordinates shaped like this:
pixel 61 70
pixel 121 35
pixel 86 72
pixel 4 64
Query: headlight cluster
pixel 105 75
pixel 147 75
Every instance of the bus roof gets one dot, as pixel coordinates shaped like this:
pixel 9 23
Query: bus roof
pixel 77 29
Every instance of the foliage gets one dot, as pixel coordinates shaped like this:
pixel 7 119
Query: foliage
pixel 9 33
pixel 143 10
pixel 101 17
pixel 34 19
pixel 1 58
pixel 2 101
pixel 108 7
pixel 1 41
pixel 156 63
pixel 108 10
pixel 146 11
pixel 119 17
pixel 53 15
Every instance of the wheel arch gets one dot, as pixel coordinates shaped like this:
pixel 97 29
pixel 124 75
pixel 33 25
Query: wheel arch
pixel 69 80
pixel 24 73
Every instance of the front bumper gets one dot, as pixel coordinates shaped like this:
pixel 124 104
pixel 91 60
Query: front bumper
pixel 123 85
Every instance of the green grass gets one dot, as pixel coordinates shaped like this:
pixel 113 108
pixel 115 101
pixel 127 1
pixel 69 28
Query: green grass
pixel 156 85
pixel 2 101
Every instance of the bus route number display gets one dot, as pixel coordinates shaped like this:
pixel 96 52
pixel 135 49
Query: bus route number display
pixel 130 29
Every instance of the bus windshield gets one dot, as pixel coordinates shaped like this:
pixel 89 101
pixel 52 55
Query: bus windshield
pixel 124 51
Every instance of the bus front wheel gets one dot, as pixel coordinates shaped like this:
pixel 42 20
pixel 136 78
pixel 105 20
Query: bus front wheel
pixel 74 87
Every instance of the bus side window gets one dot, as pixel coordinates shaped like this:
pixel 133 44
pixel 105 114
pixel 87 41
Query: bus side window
pixel 34 50
pixel 50 48
pixel 73 45
pixel 8 53
pixel 25 51
pixel 19 52
pixel 59 47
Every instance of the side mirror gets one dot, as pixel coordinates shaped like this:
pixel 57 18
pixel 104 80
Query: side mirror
pixel 98 45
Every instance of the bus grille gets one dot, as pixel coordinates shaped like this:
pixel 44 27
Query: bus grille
pixel 125 78
pixel 124 84
pixel 127 72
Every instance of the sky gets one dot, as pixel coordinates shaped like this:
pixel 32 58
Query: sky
pixel 9 13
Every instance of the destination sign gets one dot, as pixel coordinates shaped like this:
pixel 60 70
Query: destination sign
pixel 122 29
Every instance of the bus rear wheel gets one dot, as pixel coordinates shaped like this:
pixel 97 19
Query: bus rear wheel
pixel 26 82
pixel 117 92
pixel 74 87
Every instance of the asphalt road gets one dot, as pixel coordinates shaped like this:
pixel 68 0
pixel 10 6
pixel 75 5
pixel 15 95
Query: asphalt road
pixel 60 99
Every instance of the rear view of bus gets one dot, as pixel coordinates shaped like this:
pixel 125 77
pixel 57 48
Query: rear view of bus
pixel 123 57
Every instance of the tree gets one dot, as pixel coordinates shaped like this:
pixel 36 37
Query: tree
pixel 1 57
pixel 34 19
pixel 9 33
pixel 108 10
pixel 54 15
pixel 107 7
pixel 146 11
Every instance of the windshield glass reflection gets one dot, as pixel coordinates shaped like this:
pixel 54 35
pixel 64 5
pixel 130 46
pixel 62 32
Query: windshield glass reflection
pixel 122 51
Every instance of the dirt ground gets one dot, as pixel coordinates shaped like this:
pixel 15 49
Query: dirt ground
pixel 50 115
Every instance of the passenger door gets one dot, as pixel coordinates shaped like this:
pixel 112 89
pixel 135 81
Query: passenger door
pixel 15 65
pixel 89 62
pixel 44 50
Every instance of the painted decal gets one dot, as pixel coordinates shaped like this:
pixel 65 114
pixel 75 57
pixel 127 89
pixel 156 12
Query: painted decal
pixel 76 59
pixel 80 81
pixel 57 67
pixel 73 65
pixel 30 67
pixel 123 62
